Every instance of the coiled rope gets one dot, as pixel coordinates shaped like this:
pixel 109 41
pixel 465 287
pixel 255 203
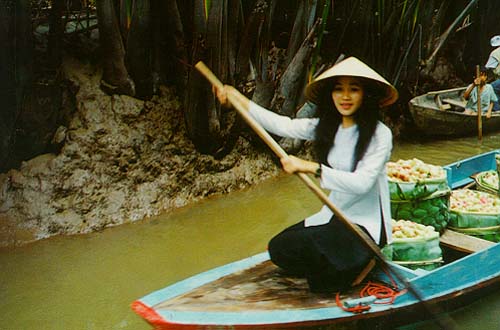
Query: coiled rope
pixel 383 293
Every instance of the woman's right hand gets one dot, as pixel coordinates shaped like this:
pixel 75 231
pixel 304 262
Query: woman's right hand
pixel 227 93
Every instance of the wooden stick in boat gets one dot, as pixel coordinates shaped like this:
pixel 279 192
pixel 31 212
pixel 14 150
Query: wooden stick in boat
pixel 479 115
pixel 444 321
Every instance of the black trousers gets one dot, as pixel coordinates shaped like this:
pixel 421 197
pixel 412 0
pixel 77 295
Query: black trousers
pixel 329 256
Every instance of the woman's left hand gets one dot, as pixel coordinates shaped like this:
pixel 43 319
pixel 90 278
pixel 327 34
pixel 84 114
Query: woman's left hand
pixel 292 164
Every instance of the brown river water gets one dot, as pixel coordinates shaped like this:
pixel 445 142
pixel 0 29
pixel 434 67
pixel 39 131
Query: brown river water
pixel 88 282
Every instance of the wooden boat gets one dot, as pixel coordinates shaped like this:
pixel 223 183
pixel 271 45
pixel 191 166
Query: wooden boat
pixel 253 294
pixel 441 113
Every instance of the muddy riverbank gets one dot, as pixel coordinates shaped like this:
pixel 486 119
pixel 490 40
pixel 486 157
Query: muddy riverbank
pixel 122 160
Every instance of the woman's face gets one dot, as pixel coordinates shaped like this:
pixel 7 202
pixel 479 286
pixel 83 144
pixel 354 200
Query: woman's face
pixel 347 95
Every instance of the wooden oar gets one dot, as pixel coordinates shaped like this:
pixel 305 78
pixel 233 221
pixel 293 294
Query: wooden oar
pixel 367 241
pixel 497 163
pixel 479 115
pixel 278 150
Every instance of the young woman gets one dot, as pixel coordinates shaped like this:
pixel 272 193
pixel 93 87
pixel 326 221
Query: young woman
pixel 352 147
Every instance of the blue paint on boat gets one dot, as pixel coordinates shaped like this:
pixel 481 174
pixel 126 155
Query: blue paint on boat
pixel 459 173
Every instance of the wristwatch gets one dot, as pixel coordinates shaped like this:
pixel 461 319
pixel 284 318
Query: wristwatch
pixel 318 171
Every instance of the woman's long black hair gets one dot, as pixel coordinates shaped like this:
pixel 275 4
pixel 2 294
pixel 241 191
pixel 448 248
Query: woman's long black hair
pixel 366 117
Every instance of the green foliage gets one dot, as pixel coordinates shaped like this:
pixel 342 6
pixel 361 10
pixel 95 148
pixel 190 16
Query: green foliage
pixel 431 211
pixel 207 5
pixel 392 35
pixel 127 6
pixel 324 19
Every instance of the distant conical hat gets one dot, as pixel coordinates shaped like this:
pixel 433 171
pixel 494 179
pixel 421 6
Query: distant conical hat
pixel 351 67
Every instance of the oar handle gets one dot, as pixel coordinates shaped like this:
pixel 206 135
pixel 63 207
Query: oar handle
pixel 207 73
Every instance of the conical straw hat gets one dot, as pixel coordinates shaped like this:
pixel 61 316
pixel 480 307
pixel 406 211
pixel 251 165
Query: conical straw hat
pixel 495 41
pixel 351 67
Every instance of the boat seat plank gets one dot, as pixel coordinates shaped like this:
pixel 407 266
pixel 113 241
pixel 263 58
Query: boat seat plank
pixel 464 243
pixel 447 90
pixel 454 102
pixel 440 104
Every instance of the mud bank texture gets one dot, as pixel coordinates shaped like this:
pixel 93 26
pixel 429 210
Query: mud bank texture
pixel 123 160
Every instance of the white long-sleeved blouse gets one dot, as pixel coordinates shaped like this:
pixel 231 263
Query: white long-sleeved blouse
pixel 363 194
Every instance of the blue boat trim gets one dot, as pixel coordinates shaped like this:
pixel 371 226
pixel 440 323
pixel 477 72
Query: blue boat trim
pixel 258 317
pixel 459 173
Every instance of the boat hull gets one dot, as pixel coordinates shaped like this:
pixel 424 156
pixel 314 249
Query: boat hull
pixel 176 308
pixel 431 120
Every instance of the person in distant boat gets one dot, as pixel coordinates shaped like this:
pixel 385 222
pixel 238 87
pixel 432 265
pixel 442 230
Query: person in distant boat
pixel 488 96
pixel 493 64
pixel 352 147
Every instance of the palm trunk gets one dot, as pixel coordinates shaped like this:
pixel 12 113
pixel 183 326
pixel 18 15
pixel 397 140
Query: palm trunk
pixel 293 79
pixel 169 47
pixel 212 129
pixel 299 31
pixel 16 73
pixel 56 33
pixel 264 78
pixel 253 25
pixel 115 78
pixel 139 44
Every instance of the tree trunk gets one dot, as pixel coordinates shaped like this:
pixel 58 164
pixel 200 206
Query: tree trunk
pixel 115 78
pixel 254 24
pixel 265 83
pixel 169 48
pixel 197 98
pixel 41 111
pixel 298 32
pixel 208 125
pixel 16 73
pixel 56 34
pixel 293 79
pixel 291 86
pixel 139 44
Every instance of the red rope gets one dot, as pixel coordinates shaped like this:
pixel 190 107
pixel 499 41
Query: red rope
pixel 383 294
pixel 355 309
